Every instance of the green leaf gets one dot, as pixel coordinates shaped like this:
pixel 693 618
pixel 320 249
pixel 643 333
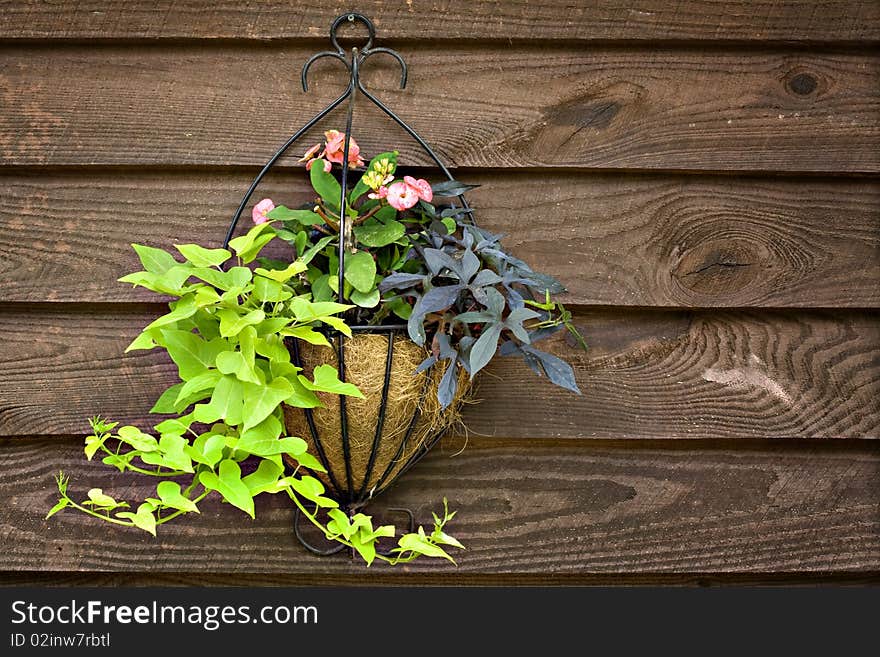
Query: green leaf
pixel 272 347
pixel 261 400
pixel 264 478
pixel 202 257
pixel 169 493
pixel 142 442
pixel 360 270
pixel 155 261
pixel 339 523
pixel 229 485
pixel 283 275
pixel 97 498
pixel 326 185
pixel 421 545
pixel 309 255
pixel 93 444
pixel 313 490
pixel 144 518
pixel 305 217
pixel 226 403
pixel 326 379
pixel 166 402
pixel 267 290
pixel 171 454
pixel 183 308
pixel 306 460
pixel 234 362
pixel 208 449
pixel 366 299
pixel 308 334
pixel 143 341
pixel 375 234
pixel 178 425
pixel 231 323
pixel 307 312
pixel 234 279
pixel 192 355
pixel 62 503
pixel 205 381
pixel 249 245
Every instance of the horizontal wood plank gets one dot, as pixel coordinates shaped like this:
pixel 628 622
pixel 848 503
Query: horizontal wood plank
pixel 479 106
pixel 565 509
pixel 648 374
pixel 622 240
pixel 786 20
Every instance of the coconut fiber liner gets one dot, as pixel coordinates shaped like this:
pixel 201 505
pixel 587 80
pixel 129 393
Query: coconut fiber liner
pixel 365 358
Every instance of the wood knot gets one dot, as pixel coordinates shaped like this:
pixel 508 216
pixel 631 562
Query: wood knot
pixel 802 84
pixel 717 268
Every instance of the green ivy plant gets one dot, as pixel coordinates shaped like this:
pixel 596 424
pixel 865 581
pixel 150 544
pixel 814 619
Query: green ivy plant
pixel 225 331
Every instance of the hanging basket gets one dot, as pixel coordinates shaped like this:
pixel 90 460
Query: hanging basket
pixel 365 444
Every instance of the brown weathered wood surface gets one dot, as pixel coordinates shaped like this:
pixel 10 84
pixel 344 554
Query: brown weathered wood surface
pixel 764 20
pixel 647 375
pixel 523 508
pixel 702 175
pixel 480 106
pixel 625 241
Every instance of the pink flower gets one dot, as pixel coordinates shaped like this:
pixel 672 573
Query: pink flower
pixel 327 165
pixel 261 209
pixel 335 148
pixel 401 196
pixel 381 193
pixel 421 187
pixel 310 153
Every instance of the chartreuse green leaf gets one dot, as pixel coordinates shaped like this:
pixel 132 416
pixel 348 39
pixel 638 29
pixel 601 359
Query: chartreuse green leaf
pixel 144 518
pixel 249 245
pixel 155 261
pixel 205 381
pixel 231 323
pixel 272 347
pixel 61 504
pixel 261 400
pixel 310 311
pixel 360 270
pixel 226 403
pixel 192 354
pixel 178 425
pixel 181 309
pixel 267 290
pixel 99 499
pixel 234 279
pixel 202 257
pixel 264 479
pixel 315 249
pixel 308 334
pixel 170 495
pixel 420 544
pixel 326 379
pixel 283 275
pixel 94 443
pixel 228 483
pixel 171 454
pixel 143 442
pixel 166 402
pixel 208 449
pixel 145 340
pixel 313 490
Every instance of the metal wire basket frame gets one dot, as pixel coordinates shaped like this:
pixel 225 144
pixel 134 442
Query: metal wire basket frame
pixel 352 498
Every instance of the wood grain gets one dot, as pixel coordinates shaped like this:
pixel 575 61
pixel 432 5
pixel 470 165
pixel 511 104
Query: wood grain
pixel 480 106
pixel 647 375
pixel 679 241
pixel 565 509
pixel 759 20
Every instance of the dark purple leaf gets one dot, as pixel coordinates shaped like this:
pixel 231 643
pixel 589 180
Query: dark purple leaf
pixel 400 280
pixel 557 370
pixel 451 188
pixel 448 385
pixel 485 347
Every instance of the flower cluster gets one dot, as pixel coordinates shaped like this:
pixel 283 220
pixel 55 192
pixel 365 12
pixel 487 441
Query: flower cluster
pixel 332 151
pixel 464 298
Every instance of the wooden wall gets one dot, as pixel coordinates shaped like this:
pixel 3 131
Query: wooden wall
pixel 702 175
